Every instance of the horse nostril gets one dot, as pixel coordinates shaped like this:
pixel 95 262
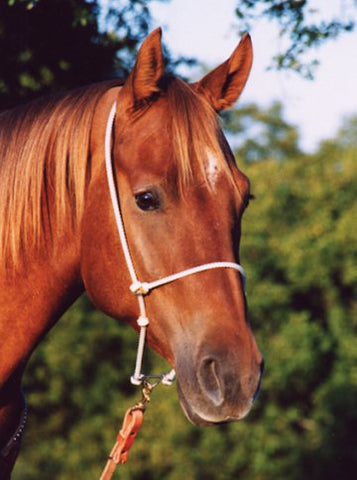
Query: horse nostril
pixel 208 377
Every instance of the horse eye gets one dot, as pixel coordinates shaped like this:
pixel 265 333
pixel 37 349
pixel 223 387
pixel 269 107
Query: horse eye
pixel 148 200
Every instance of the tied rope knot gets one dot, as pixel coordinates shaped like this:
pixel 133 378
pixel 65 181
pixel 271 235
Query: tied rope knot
pixel 143 321
pixel 140 288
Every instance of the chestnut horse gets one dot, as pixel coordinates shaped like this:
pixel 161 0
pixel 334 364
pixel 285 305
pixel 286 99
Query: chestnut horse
pixel 181 198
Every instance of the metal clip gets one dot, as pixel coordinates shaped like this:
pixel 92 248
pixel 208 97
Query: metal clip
pixel 146 394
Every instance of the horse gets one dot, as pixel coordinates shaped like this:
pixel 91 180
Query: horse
pixel 181 198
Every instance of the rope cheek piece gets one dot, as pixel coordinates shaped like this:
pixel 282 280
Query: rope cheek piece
pixel 134 415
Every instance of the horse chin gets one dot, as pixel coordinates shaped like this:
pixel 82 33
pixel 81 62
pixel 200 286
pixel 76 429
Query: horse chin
pixel 197 416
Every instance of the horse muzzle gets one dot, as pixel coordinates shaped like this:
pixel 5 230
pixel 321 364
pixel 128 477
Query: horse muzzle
pixel 217 388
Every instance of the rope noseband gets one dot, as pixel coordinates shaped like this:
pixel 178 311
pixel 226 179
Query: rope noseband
pixel 141 289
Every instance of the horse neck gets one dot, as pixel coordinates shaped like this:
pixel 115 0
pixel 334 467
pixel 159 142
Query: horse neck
pixel 45 284
pixel 33 297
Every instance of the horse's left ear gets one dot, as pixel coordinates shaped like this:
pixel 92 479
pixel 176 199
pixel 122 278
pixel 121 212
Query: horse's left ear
pixel 225 83
pixel 144 78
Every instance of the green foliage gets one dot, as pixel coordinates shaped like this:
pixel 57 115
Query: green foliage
pixel 263 133
pixel 76 381
pixel 301 244
pixel 299 248
pixel 303 24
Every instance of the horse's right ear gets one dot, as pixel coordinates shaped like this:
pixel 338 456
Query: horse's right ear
pixel 224 84
pixel 144 78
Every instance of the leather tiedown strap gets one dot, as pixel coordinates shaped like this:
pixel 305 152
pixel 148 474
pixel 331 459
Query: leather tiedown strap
pixel 132 422
pixel 9 452
pixel 14 441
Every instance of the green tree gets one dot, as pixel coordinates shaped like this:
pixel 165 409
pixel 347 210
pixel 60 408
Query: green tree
pixel 51 45
pixel 301 244
pixel 262 133
pixel 78 385
pixel 303 24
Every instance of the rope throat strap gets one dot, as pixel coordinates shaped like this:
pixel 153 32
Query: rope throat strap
pixel 141 289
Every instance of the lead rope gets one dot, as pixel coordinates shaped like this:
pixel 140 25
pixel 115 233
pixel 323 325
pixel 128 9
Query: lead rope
pixel 134 416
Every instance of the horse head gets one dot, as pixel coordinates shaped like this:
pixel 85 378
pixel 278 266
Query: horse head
pixel 181 198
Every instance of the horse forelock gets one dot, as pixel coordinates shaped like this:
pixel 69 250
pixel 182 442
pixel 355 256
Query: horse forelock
pixel 44 149
pixel 196 136
pixel 191 125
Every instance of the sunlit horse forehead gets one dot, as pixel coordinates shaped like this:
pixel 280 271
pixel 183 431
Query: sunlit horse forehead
pixel 192 125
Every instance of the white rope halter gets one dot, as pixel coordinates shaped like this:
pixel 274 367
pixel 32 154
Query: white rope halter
pixel 141 289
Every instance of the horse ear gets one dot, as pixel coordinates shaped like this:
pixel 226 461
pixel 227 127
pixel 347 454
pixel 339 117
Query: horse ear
pixel 225 83
pixel 144 78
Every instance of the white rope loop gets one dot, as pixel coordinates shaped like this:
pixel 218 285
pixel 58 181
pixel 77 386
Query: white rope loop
pixel 143 288
pixel 114 197
pixel 140 289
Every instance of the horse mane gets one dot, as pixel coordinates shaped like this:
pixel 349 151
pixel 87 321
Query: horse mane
pixel 44 149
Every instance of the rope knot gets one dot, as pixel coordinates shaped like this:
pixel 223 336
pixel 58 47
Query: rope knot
pixel 140 288
pixel 143 321
pixel 168 378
